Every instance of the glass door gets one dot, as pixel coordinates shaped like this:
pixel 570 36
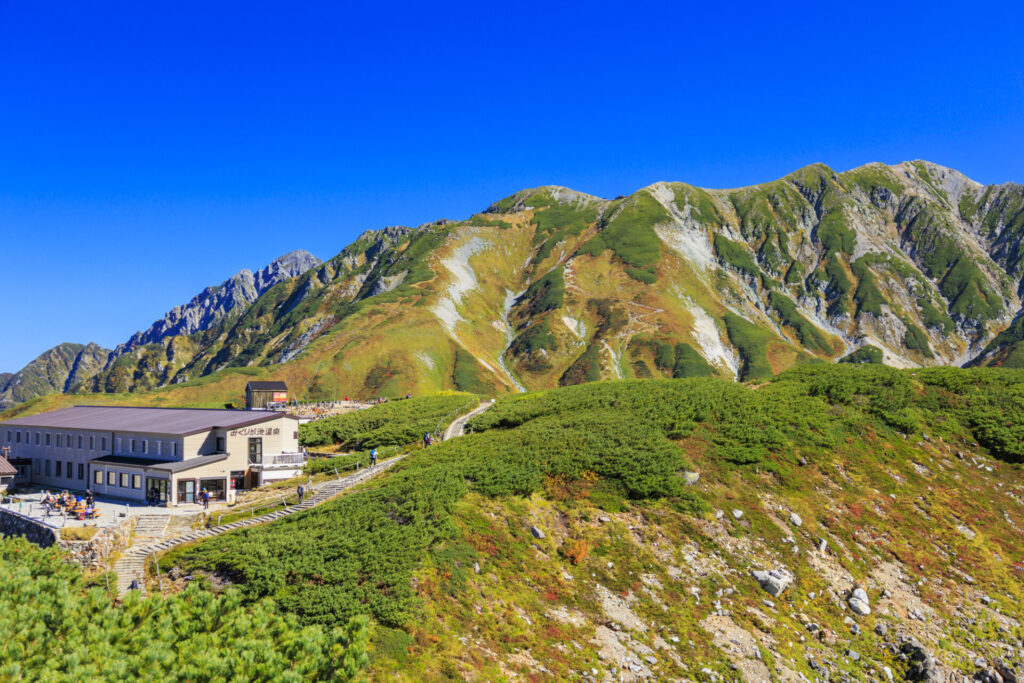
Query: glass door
pixel 187 491
pixel 161 487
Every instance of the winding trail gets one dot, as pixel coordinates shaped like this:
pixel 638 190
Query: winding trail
pixel 131 566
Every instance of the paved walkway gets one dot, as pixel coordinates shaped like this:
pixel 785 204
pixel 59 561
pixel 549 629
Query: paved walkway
pixel 458 427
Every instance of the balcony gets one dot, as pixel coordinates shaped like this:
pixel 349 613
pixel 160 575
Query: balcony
pixel 278 461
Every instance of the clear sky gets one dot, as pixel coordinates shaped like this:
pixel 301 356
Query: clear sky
pixel 148 149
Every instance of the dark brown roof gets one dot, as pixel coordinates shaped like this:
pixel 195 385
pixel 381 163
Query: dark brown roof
pixel 6 468
pixel 176 421
pixel 267 386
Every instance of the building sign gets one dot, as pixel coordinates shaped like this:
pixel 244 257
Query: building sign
pixel 281 396
pixel 256 431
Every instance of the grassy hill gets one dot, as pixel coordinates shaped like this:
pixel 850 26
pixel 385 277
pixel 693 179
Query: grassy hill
pixel 610 529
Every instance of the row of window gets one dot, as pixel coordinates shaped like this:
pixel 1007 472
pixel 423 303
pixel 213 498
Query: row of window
pixel 127 480
pixel 68 441
pixel 59 468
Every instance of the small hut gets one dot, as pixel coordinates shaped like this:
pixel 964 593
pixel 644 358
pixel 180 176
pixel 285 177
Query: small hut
pixel 261 395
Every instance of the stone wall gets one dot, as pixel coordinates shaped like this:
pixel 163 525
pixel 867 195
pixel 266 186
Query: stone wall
pixel 16 524
pixel 92 554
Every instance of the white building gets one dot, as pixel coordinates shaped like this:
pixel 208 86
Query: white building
pixel 172 452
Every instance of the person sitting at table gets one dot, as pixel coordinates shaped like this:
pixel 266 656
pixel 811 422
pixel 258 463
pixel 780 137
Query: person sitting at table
pixel 88 512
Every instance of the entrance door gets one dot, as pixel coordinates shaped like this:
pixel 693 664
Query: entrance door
pixel 255 451
pixel 187 491
pixel 162 488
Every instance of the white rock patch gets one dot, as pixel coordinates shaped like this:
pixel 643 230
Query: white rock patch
pixel 709 340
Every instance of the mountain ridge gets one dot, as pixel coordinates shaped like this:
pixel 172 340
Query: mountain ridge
pixel 913 264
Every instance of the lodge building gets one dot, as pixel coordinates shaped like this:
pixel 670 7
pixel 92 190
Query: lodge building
pixel 174 453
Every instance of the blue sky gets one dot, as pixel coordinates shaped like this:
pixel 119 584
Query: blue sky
pixel 150 149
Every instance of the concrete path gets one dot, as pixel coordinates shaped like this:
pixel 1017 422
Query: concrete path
pixel 458 427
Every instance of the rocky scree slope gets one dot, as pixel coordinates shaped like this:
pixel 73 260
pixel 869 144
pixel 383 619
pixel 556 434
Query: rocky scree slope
pixel 910 265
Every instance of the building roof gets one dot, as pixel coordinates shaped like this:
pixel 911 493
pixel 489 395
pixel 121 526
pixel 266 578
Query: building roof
pixel 267 386
pixel 160 465
pixel 175 421
pixel 6 468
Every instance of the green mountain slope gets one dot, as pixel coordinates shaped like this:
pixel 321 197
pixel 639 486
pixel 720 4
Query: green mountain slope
pixel 611 531
pixel 554 287
pixel 54 371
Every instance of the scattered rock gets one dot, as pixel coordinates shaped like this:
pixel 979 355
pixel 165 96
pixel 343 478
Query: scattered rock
pixel 691 478
pixel 795 520
pixel 923 666
pixel 881 629
pixel 859 602
pixel 853 654
pixel 537 533
pixel 738 514
pixel 774 581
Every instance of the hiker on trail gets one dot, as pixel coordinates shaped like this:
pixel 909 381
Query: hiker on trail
pixel 302 493
pixel 373 457
pixel 426 440
pixel 206 499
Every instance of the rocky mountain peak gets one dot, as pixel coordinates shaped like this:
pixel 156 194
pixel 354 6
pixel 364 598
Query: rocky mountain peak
pixel 214 303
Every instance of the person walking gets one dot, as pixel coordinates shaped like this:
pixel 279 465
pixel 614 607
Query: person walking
pixel 302 493
pixel 206 499
pixel 373 457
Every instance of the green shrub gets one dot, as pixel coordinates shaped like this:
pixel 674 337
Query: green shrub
pixel 395 423
pixel 735 255
pixel 55 628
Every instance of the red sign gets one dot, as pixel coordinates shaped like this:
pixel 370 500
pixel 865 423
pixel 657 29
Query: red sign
pixel 280 396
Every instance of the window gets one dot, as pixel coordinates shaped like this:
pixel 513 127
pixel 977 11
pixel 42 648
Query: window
pixel 48 468
pixel 117 444
pixel 38 466
pixel 97 477
pixel 174 449
pixel 158 444
pixel 133 445
pixel 59 463
pixel 255 451
pixel 92 443
pixel 136 481
pixel 103 444
pixel 81 471
pixel 145 446
pixel 79 441
pixel 69 441
pixel 111 478
pixel 17 437
pixel 37 438
pixel 58 441
pixel 47 438
pixel 295 435
pixel 125 478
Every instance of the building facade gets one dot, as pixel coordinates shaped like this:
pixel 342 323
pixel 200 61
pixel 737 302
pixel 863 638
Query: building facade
pixel 170 454
pixel 263 395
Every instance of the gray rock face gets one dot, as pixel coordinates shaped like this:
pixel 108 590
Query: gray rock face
pixel 923 666
pixel 774 581
pixel 213 303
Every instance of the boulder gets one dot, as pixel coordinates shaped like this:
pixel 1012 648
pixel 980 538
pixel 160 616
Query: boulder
pixel 858 602
pixel 774 581
pixel 537 533
pixel 795 520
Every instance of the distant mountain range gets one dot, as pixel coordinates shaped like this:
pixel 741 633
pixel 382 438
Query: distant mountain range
pixel 70 365
pixel 911 265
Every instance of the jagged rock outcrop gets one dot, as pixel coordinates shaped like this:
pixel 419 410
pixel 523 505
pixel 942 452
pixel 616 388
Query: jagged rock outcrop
pixel 213 303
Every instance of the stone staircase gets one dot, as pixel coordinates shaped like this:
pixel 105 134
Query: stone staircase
pixel 132 564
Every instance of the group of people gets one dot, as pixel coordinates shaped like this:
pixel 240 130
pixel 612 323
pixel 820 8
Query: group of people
pixel 76 506
pixel 428 440
pixel 152 497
